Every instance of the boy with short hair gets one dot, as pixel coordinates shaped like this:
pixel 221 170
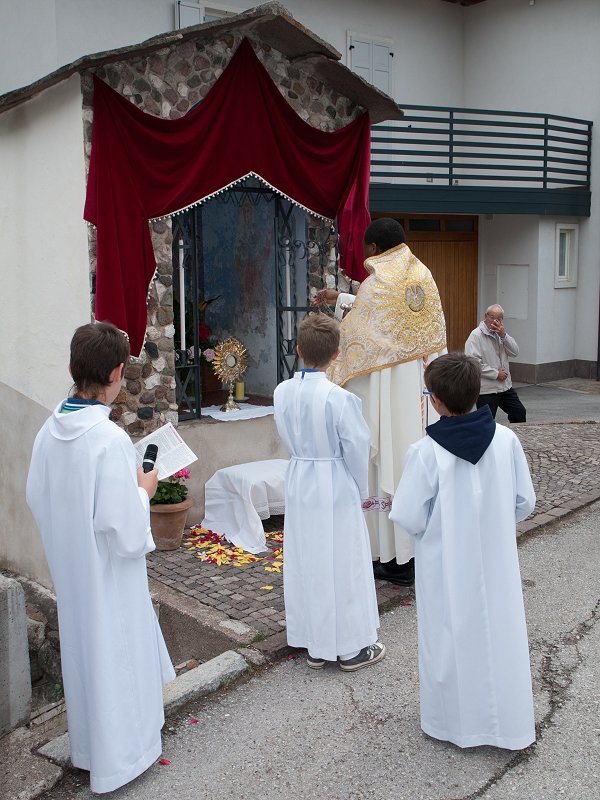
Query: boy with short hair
pixel 330 600
pixel 463 489
pixel 92 510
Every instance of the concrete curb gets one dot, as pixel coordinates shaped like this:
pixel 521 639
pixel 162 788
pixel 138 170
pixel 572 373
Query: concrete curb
pixel 553 514
pixel 58 750
pixel 202 680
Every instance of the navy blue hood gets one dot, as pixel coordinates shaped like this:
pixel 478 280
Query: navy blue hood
pixel 467 436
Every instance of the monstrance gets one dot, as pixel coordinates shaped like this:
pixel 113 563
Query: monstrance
pixel 229 364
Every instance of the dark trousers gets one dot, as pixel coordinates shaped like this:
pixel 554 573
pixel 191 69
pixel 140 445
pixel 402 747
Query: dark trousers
pixel 509 403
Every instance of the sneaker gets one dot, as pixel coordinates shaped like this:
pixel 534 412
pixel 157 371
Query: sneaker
pixel 366 657
pixel 315 663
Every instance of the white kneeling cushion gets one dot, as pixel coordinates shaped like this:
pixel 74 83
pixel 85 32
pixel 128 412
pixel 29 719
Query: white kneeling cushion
pixel 238 498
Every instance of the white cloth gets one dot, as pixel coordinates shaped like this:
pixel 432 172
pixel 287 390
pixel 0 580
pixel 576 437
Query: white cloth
pixel 95 525
pixel 397 413
pixel 473 652
pixel 239 497
pixel 330 600
pixel 246 411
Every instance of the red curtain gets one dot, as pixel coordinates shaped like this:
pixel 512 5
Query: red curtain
pixel 144 167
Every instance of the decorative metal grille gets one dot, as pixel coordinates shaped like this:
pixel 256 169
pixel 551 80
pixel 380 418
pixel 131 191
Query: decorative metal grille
pixel 306 255
pixel 304 259
pixel 188 275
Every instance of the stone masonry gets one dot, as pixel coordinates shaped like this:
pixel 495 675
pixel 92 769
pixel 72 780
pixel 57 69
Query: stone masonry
pixel 168 83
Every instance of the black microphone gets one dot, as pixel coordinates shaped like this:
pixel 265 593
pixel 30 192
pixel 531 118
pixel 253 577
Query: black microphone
pixel 150 457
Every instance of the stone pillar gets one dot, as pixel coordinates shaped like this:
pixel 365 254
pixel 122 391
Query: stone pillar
pixel 15 682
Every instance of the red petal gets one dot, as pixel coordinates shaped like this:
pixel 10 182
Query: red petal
pixel 192 721
pixel 164 761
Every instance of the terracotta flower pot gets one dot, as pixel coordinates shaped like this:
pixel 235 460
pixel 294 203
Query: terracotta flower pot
pixel 167 521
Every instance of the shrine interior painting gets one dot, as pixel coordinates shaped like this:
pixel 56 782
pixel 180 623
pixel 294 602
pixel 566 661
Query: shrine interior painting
pixel 250 262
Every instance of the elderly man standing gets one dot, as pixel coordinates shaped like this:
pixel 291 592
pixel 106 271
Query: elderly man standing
pixel 491 346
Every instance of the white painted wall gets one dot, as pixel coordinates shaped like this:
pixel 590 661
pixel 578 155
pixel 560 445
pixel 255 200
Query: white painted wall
pixel 511 239
pixel 44 258
pixel 545 58
pixel 38 36
pixel 45 293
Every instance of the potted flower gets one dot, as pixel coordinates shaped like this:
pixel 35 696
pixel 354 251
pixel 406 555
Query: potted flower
pixel 168 511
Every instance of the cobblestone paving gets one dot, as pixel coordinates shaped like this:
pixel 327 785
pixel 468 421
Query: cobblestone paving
pixel 235 590
pixel 564 460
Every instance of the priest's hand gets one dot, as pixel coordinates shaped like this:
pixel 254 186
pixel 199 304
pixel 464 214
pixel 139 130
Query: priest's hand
pixel 148 481
pixel 326 297
pixel 502 375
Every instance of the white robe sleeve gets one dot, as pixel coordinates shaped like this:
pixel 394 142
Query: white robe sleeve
pixel 121 508
pixel 355 440
pixel 345 300
pixel 413 501
pixel 525 493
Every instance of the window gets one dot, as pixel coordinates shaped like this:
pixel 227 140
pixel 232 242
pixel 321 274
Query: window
pixel 566 255
pixel 188 13
pixel 371 58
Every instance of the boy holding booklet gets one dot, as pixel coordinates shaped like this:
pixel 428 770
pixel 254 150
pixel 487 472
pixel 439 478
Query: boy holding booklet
pixel 92 509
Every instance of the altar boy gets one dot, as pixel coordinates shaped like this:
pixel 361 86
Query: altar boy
pixel 330 600
pixel 463 489
pixel 92 510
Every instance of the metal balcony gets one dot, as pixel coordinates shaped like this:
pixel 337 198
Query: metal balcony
pixel 463 160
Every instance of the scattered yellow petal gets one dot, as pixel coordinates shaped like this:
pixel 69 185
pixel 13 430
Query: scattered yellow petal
pixel 268 588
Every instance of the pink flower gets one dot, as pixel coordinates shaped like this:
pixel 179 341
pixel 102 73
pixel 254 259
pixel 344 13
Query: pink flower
pixel 183 473
pixel 209 354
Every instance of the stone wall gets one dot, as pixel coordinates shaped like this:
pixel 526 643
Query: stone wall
pixel 168 83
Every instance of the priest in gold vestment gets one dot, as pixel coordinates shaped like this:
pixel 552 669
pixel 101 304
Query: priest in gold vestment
pixel 390 330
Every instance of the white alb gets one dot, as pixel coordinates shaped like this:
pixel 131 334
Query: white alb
pixel 473 652
pixel 94 521
pixel 330 600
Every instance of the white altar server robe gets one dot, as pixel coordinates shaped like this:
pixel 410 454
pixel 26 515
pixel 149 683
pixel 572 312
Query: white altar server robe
pixel 474 670
pixel 330 600
pixel 94 521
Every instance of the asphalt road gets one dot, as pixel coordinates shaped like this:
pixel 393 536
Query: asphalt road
pixel 289 731
pixel 546 402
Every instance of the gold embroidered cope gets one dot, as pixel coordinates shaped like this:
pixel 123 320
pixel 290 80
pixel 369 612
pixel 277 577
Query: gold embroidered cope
pixel 397 317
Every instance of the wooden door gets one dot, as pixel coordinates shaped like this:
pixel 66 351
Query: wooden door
pixel 448 246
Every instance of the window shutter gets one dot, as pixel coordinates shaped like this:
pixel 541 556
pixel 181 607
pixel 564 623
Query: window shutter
pixel 188 13
pixel 362 57
pixel 370 58
pixel 381 67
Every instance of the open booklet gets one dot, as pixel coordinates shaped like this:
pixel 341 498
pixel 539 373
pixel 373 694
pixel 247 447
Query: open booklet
pixel 173 452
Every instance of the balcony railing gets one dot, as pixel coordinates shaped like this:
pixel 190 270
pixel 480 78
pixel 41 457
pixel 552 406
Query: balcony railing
pixel 476 147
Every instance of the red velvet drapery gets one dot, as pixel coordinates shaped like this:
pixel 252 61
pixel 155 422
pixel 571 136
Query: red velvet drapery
pixel 144 167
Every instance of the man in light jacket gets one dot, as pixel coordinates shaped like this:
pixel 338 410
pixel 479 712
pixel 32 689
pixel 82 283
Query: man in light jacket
pixel 491 346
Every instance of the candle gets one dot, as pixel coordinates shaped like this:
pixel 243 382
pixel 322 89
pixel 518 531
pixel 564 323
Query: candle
pixel 239 390
pixel 181 294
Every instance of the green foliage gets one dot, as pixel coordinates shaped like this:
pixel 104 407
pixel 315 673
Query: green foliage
pixel 226 681
pixel 259 637
pixel 169 492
